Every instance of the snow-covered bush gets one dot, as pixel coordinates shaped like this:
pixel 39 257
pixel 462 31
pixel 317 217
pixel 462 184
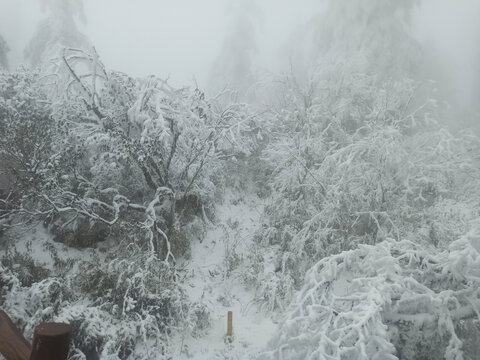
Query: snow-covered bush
pixel 357 168
pixel 138 292
pixel 393 300
pixel 114 306
pixel 25 268
pixel 26 134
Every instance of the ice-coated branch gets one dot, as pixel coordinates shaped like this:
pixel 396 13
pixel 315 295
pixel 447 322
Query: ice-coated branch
pixel 150 224
pixel 351 302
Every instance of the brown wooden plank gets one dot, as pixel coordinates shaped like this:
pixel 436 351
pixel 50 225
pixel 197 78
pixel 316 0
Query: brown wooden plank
pixel 13 345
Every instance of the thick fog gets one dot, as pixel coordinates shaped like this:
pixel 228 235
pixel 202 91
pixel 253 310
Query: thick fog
pixel 182 39
pixel 176 38
pixel 450 30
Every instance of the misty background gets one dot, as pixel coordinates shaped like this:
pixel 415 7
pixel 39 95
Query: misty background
pixel 183 40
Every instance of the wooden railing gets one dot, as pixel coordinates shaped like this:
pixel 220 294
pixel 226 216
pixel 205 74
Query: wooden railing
pixel 51 341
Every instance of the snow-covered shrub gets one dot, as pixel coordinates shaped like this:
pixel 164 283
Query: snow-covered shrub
pixel 138 296
pixel 29 306
pixel 274 289
pixel 114 306
pixel 81 232
pixel 26 134
pixel 393 300
pixel 25 268
pixel 198 319
pixel 8 281
pixel 132 284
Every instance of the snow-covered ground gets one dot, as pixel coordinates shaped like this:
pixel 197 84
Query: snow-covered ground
pixel 36 241
pixel 210 284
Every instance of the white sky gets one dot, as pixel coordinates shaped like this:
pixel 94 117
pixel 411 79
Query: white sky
pixel 453 28
pixel 182 38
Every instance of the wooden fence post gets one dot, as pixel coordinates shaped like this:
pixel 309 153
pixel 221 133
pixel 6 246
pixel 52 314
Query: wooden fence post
pixel 229 326
pixel 51 341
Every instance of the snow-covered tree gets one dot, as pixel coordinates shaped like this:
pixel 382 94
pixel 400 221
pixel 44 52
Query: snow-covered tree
pixel 56 31
pixel 355 168
pixel 374 32
pixel 234 67
pixel 122 149
pixel 3 53
pixel 355 156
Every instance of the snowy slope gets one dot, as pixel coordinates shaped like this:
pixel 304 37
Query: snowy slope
pixel 216 281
